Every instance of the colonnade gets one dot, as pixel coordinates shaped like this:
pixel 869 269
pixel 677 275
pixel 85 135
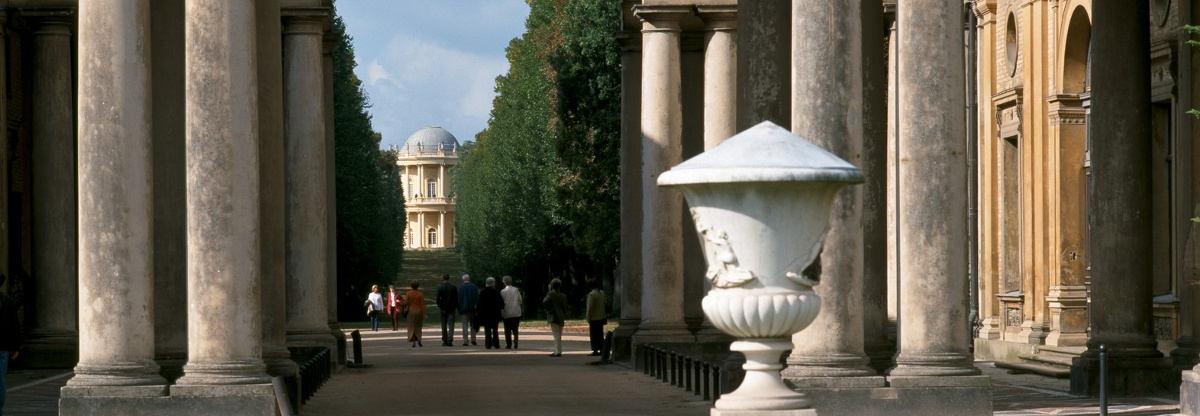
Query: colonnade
pixel 181 214
pixel 830 91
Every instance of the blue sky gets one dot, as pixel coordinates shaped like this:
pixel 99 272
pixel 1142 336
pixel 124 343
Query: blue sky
pixel 431 62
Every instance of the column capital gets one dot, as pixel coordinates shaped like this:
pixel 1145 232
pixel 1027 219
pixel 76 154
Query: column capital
pixel 306 19
pixel 718 18
pixel 47 20
pixel 630 40
pixel 661 18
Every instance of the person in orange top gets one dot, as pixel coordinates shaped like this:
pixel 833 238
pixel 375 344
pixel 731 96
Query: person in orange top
pixel 414 303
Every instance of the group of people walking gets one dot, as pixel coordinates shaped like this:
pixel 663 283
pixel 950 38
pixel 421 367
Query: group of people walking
pixel 485 309
pixel 410 306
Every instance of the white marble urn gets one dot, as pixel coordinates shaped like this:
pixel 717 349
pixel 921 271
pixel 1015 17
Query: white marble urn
pixel 761 202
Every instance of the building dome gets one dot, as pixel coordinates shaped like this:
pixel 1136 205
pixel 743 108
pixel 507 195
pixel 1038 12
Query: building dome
pixel 430 139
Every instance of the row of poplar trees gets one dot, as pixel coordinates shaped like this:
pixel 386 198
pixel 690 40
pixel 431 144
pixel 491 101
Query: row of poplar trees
pixel 370 204
pixel 539 190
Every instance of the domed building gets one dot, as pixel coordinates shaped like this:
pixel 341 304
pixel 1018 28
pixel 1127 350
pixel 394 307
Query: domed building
pixel 425 161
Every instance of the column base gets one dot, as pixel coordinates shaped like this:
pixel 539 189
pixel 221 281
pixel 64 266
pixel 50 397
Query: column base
pixel 339 338
pixel 233 374
pixel 828 366
pixel 793 412
pixel 1189 394
pixel 652 334
pixel 916 396
pixel 881 355
pixel 1127 376
pixel 49 350
pixel 200 400
pixel 622 349
pixel 933 365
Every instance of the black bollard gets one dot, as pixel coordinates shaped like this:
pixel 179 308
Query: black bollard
pixel 641 349
pixel 662 365
pixel 1103 380
pixel 687 373
pixel 716 382
pixel 674 380
pixel 358 356
pixel 706 385
pixel 697 390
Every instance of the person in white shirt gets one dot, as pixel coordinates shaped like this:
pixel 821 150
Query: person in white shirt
pixel 512 312
pixel 374 305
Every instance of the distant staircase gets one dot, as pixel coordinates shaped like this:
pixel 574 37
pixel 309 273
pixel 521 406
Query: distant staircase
pixel 1047 361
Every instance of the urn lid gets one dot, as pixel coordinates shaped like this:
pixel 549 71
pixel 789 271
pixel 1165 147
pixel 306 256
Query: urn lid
pixel 763 153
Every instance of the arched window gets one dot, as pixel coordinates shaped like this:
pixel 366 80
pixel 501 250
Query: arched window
pixel 432 188
pixel 433 237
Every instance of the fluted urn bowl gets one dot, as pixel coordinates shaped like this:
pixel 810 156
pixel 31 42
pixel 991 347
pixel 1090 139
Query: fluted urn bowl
pixel 761 202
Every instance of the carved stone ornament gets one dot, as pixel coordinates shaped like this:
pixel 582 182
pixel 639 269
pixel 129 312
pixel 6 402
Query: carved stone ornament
pixel 761 202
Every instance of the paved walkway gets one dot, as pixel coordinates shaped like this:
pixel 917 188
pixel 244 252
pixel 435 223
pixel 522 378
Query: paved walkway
pixel 436 380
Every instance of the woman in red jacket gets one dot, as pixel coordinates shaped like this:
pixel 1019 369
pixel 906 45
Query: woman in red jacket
pixel 414 303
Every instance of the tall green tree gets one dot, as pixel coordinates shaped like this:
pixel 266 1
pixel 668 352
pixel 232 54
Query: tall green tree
pixel 538 193
pixel 370 206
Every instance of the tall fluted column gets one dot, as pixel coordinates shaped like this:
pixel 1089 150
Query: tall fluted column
pixel 224 319
pixel 662 125
pixel 932 182
pixel 631 196
pixel 1119 206
pixel 304 136
pixel 53 339
pixel 116 341
pixel 271 192
pixel 827 104
pixel 763 60
pixel 720 73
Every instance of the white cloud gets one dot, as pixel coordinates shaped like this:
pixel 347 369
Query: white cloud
pixel 419 83
pixel 375 72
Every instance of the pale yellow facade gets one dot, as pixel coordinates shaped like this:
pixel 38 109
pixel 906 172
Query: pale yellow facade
pixel 425 161
pixel 1033 111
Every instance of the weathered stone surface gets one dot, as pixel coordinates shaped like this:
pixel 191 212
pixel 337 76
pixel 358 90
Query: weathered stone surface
pixel 661 126
pixel 913 400
pixel 306 187
pixel 225 324
pixel 198 406
pixel 115 265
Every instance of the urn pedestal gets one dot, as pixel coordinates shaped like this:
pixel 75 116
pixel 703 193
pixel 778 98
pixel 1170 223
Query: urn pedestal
pixel 761 203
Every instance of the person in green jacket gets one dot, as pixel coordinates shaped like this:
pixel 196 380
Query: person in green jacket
pixel 556 313
pixel 596 316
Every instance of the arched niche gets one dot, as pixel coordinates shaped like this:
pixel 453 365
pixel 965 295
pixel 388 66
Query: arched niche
pixel 1076 52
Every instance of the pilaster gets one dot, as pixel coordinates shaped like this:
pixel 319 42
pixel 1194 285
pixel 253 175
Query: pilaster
pixel 631 196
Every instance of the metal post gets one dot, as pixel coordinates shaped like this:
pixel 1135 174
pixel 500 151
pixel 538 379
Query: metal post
pixel 358 355
pixel 697 390
pixel 673 378
pixel 687 373
pixel 706 385
pixel 1103 380
pixel 717 382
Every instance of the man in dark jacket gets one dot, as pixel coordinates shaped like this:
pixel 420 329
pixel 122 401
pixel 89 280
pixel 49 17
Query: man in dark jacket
pixel 491 306
pixel 468 296
pixel 10 339
pixel 447 303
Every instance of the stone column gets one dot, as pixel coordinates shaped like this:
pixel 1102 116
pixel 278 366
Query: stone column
pixel 335 328
pixel 932 186
pixel 224 311
pixel 271 195
pixel 1119 207
pixel 876 114
pixel 116 342
pixel 720 73
pixel 763 60
pixel 662 232
pixel 53 340
pixel 304 136
pixel 826 110
pixel 630 291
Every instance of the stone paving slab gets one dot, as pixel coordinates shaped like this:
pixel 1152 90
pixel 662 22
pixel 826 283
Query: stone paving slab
pixel 436 380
